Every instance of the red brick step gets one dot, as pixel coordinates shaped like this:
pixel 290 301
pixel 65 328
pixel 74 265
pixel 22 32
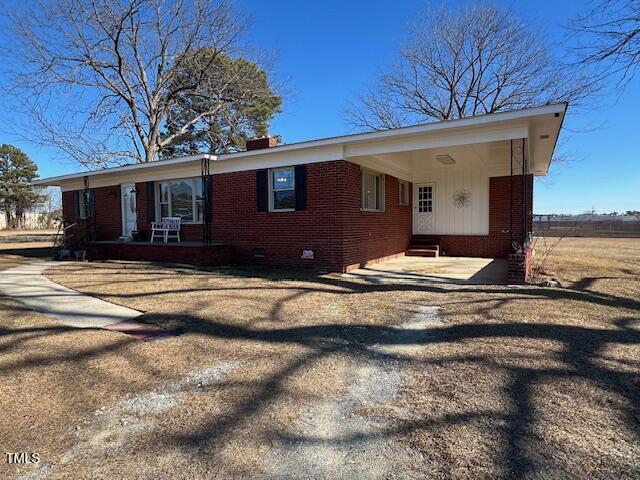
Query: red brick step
pixel 422 252
pixel 423 246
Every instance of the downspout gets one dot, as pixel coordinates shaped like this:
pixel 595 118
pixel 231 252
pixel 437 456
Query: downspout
pixel 88 210
pixel 511 201
pixel 205 172
pixel 524 196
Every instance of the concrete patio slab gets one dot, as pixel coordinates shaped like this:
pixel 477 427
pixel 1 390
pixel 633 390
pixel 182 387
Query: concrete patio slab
pixel 27 284
pixel 457 270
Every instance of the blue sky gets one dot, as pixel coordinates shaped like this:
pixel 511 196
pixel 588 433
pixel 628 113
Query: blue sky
pixel 332 49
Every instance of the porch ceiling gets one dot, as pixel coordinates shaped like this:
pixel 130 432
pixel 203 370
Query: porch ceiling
pixel 485 146
pixel 490 155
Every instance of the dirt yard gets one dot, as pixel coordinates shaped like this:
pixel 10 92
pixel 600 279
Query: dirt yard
pixel 293 375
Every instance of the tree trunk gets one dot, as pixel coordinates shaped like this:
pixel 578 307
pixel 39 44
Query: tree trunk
pixel 150 153
pixel 19 219
pixel 7 218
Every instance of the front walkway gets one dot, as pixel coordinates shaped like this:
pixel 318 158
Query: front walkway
pixel 27 284
pixel 457 270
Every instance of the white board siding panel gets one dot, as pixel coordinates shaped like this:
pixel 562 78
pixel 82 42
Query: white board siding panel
pixel 451 220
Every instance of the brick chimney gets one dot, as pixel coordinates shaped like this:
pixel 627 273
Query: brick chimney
pixel 260 143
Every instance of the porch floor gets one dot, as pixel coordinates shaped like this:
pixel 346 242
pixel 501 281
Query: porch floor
pixel 460 270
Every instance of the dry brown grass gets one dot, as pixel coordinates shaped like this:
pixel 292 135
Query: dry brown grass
pixel 514 382
pixel 12 254
pixel 606 265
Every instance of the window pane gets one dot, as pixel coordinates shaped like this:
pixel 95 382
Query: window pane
pixel 164 192
pixel 404 193
pixel 198 188
pixel 82 204
pixel 377 180
pixel 368 191
pixel 199 211
pixel 284 199
pixel 283 179
pixel 182 200
pixel 164 210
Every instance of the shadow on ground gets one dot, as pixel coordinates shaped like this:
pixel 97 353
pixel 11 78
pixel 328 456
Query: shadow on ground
pixel 579 356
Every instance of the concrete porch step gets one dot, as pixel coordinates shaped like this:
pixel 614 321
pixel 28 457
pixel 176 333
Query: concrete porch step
pixel 424 246
pixel 424 238
pixel 422 252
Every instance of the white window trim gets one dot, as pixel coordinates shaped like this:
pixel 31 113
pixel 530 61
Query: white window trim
pixel 382 191
pixel 406 190
pixel 271 190
pixel 83 204
pixel 158 194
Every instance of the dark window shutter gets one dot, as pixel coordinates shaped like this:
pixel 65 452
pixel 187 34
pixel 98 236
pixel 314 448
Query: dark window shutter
pixel 76 203
pixel 151 202
pixel 92 202
pixel 301 187
pixel 262 190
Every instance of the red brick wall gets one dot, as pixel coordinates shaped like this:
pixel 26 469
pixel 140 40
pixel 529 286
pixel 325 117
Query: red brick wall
pixel 371 235
pixel 159 252
pixel 332 225
pixel 283 235
pixel 108 213
pixel 67 206
pixel 496 244
pixel 519 266
pixel 108 220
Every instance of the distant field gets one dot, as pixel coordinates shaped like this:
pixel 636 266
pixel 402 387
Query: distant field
pixel 15 233
pixel 605 265
pixel 620 229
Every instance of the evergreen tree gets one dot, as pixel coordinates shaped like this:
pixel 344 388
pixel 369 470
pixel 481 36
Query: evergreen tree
pixel 222 101
pixel 17 194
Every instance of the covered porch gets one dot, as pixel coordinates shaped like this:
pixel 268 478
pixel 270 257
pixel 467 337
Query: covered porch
pixel 471 188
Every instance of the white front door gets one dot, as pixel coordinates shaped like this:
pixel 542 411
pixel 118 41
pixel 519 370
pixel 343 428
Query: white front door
pixel 424 209
pixel 129 209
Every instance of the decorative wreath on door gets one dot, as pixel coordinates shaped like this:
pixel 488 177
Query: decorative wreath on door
pixel 462 198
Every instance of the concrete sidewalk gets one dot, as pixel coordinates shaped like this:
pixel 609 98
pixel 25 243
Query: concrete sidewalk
pixel 27 284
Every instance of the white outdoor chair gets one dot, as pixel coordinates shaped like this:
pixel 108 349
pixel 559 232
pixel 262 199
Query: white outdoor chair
pixel 168 226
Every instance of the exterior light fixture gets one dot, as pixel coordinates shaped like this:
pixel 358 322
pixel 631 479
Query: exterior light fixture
pixel 445 159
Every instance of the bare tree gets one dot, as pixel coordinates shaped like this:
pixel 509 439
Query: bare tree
pixel 608 36
pixel 96 76
pixel 475 59
pixel 51 208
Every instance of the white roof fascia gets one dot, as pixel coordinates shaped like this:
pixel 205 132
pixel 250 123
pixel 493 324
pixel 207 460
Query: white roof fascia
pixel 347 143
pixel 125 168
